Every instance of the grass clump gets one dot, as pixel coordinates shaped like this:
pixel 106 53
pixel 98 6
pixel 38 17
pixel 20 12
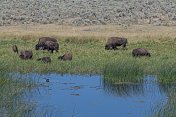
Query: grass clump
pixel 124 71
pixel 167 72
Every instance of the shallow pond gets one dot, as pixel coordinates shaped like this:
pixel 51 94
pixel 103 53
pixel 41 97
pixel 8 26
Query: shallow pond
pixel 90 96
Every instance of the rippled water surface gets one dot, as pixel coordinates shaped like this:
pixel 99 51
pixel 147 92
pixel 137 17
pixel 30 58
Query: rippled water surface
pixel 91 96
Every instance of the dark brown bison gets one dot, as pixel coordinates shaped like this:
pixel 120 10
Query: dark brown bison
pixel 45 59
pixel 26 54
pixel 15 48
pixel 42 41
pixel 51 46
pixel 66 56
pixel 140 52
pixel 113 42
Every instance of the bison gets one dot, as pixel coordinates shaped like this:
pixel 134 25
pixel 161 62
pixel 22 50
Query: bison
pixel 42 41
pixel 15 48
pixel 66 56
pixel 140 52
pixel 51 46
pixel 113 42
pixel 45 59
pixel 26 54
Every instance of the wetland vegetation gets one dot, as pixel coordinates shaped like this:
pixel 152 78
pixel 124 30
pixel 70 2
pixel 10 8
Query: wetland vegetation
pixel 90 56
pixel 87 46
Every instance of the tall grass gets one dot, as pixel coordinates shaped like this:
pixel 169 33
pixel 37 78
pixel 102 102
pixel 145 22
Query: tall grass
pixel 167 72
pixel 90 57
pixel 124 71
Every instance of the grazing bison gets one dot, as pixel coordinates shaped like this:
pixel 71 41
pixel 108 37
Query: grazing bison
pixel 26 54
pixel 42 41
pixel 45 59
pixel 15 48
pixel 140 52
pixel 51 46
pixel 66 56
pixel 113 42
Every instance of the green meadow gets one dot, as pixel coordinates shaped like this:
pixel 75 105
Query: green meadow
pixel 90 57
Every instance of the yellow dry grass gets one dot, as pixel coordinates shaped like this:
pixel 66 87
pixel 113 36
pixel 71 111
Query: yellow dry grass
pixel 133 32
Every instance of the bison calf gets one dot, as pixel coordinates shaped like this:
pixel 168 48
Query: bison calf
pixel 26 54
pixel 66 56
pixel 140 52
pixel 113 42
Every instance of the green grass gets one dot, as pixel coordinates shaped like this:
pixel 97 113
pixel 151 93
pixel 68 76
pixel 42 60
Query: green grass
pixel 128 70
pixel 90 57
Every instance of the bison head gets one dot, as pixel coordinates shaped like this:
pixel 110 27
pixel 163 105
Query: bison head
pixel 39 47
pixel 108 47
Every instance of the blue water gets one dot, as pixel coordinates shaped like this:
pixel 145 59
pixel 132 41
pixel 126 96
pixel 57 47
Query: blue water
pixel 90 96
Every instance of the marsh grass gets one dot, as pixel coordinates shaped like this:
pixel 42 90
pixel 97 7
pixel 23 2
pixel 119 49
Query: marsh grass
pixel 89 55
pixel 125 71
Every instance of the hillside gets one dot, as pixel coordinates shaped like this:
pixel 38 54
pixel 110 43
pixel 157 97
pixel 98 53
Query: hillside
pixel 88 12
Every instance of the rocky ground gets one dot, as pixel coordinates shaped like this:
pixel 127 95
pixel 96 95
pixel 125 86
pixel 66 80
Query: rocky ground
pixel 88 12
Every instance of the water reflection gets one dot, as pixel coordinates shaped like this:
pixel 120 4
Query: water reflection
pixel 123 88
pixel 148 84
pixel 169 109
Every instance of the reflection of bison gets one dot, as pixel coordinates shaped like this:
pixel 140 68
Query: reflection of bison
pixel 26 54
pixel 66 56
pixel 15 48
pixel 113 42
pixel 42 41
pixel 140 52
pixel 45 59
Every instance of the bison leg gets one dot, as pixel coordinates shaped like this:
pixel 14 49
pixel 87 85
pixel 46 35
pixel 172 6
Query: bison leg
pixel 52 51
pixel 124 47
pixel 114 47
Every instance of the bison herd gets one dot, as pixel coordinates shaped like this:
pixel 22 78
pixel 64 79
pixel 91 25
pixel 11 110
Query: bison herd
pixel 113 42
pixel 44 43
pixel 51 45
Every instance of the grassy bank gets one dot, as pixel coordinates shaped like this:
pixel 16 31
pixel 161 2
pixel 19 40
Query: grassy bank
pixel 89 55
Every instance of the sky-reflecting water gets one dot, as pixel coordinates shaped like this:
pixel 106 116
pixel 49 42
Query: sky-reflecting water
pixel 92 96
